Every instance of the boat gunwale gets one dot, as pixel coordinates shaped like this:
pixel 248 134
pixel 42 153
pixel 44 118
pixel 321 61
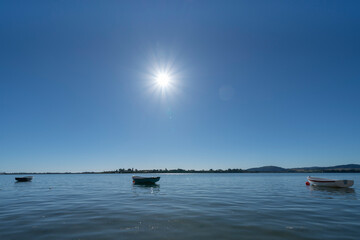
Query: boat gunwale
pixel 323 181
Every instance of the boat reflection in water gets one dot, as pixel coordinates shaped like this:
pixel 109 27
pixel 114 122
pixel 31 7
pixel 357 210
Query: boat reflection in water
pixel 330 192
pixel 139 185
pixel 332 189
pixel 141 188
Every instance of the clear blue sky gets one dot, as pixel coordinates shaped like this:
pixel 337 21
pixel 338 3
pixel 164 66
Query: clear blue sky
pixel 253 83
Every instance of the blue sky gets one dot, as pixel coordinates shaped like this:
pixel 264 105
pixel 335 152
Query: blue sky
pixel 253 83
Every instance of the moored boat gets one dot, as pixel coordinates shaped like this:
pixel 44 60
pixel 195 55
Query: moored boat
pixel 24 179
pixel 145 180
pixel 325 182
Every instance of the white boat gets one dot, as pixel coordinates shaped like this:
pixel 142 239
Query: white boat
pixel 325 182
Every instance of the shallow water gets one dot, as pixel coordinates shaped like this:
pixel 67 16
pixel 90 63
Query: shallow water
pixel 181 206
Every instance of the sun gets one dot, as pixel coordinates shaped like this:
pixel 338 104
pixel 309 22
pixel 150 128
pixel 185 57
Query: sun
pixel 163 79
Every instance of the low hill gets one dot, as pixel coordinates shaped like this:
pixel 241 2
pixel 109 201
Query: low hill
pixel 267 169
pixel 337 168
pixel 347 167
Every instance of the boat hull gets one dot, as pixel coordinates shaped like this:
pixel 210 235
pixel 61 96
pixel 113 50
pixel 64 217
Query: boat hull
pixel 24 179
pixel 323 182
pixel 145 180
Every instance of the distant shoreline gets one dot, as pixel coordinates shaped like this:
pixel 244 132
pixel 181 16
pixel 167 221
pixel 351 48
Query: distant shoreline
pixel 350 168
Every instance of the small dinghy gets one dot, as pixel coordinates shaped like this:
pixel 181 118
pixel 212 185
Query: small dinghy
pixel 24 179
pixel 325 182
pixel 145 180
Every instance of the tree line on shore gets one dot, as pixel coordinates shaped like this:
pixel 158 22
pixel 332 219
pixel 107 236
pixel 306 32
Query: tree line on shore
pixel 178 170
pixel 232 170
pixel 349 168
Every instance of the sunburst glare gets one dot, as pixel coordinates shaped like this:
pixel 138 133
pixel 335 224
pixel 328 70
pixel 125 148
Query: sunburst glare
pixel 163 76
pixel 164 82
pixel 163 79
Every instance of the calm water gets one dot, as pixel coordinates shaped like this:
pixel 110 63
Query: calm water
pixel 182 206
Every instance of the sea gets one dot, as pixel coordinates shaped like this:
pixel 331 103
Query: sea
pixel 181 206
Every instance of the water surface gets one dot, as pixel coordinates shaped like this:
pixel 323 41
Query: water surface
pixel 181 206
